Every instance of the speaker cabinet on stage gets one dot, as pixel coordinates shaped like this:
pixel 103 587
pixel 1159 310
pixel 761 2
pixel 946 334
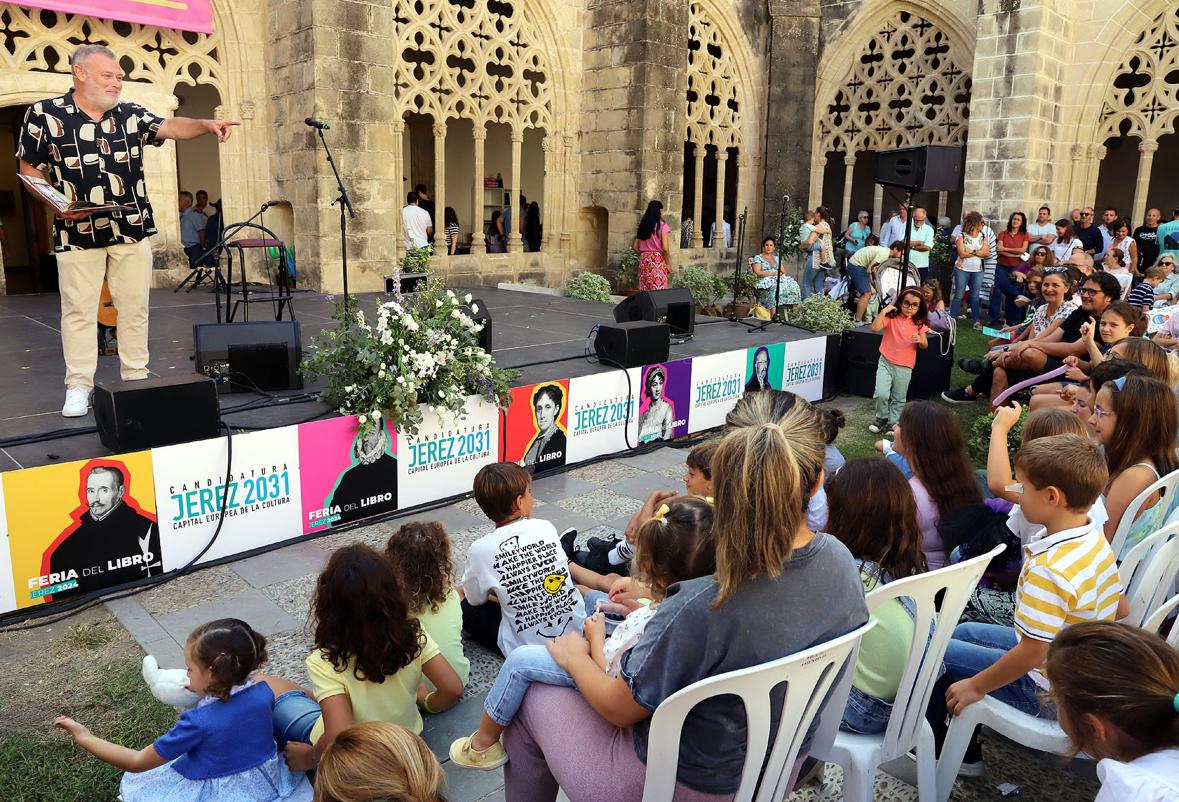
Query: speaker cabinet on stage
pixel 927 168
pixel 633 344
pixel 248 356
pixel 148 413
pixel 674 307
pixel 860 351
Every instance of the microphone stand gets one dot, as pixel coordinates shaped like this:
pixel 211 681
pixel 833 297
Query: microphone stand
pixel 346 211
pixel 741 221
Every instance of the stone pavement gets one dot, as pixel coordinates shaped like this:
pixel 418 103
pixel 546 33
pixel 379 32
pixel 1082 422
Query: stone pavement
pixel 272 592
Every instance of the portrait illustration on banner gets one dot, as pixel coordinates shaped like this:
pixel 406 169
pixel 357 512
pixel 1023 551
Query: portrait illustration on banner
pixel 346 475
pixel 369 485
pixel 111 539
pixel 548 404
pixel 664 401
pixel 764 368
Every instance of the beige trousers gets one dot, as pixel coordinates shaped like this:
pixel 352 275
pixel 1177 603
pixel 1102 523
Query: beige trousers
pixel 127 269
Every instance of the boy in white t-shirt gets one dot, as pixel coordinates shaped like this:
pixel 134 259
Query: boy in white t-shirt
pixel 521 567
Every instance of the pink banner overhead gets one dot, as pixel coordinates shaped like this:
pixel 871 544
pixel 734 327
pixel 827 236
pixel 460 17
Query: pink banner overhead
pixel 183 15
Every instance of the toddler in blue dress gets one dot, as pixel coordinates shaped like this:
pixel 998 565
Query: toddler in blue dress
pixel 223 749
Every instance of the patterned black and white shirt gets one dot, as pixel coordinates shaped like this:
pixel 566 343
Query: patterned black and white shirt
pixel 100 162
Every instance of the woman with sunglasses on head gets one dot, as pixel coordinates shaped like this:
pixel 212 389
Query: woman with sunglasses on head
pixel 1168 291
pixel 1136 420
pixel 855 236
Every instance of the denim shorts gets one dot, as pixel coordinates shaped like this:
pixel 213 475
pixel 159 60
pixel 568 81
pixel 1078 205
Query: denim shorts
pixel 295 714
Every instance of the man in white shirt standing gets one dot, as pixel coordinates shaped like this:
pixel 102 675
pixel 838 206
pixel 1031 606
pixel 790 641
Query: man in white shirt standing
pixel 415 222
pixel 1043 231
pixel 920 243
pixel 1109 216
pixel 894 227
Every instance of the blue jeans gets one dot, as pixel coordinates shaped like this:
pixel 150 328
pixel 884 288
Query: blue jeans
pixel 962 280
pixel 194 253
pixel 974 648
pixel 294 714
pixel 864 714
pixel 858 277
pixel 524 666
pixel 813 279
pixel 1004 293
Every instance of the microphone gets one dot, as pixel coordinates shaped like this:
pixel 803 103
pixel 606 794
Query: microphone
pixel 314 123
pixel 270 203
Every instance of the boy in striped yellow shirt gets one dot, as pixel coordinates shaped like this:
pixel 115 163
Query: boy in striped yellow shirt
pixel 1069 575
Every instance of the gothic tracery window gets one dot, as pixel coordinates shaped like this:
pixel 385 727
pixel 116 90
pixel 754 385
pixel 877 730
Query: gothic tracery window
pixel 1143 100
pixel 473 59
pixel 714 110
pixel 42 41
pixel 904 88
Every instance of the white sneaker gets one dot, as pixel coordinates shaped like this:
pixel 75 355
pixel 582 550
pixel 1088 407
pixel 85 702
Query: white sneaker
pixel 77 402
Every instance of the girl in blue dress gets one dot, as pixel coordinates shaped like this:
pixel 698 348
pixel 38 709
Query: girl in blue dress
pixel 223 749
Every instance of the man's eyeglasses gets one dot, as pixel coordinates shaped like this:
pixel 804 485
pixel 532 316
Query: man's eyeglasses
pixel 1088 291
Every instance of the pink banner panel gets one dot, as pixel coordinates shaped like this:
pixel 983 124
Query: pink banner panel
pixel 182 15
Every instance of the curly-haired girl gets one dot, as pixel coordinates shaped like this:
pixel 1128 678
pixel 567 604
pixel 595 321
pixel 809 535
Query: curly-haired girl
pixel 420 554
pixel 370 654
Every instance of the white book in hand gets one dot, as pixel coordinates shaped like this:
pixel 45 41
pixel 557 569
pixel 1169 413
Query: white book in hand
pixel 48 195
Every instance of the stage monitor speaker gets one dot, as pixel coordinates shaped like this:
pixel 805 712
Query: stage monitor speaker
pixel 149 413
pixel 405 283
pixel 860 352
pixel 675 307
pixel 927 168
pixel 633 344
pixel 250 356
pixel 482 316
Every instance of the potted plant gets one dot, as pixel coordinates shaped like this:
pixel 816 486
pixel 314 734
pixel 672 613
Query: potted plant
pixel 421 350
pixel 627 277
pixel 417 260
pixel 588 287
pixel 746 293
pixel 706 287
pixel 822 313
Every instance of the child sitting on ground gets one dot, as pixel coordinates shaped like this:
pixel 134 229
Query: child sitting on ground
pixel 419 552
pixel 873 513
pixel 221 749
pixel 370 656
pixel 672 547
pixel 1116 689
pixel 520 567
pixel 1069 575
pixel 833 459
pixel 379 761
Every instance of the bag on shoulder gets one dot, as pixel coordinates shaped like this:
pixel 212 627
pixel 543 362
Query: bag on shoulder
pixel 975 529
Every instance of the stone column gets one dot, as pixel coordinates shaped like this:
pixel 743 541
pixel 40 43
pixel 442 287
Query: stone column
pixel 1013 158
pixel 793 58
pixel 698 200
pixel 478 246
pixel 849 168
pixel 552 201
pixel 877 209
pixel 439 189
pixel 398 237
pixel 514 243
pixel 1146 151
pixel 1097 155
pixel 718 239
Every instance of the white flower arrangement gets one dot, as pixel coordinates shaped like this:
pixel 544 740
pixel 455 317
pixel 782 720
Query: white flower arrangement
pixel 423 350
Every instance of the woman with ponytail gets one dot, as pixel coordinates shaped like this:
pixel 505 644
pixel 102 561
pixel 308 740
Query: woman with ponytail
pixel 1116 689
pixel 779 588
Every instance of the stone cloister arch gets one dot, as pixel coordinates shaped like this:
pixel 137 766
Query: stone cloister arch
pixel 487 62
pixel 1139 101
pixel 898 78
pixel 719 113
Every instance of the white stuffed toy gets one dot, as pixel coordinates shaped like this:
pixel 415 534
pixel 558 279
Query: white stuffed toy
pixel 169 685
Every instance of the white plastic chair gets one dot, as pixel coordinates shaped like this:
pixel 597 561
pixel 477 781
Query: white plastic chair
pixel 807 676
pixel 1148 573
pixel 1155 622
pixel 1167 484
pixel 861 755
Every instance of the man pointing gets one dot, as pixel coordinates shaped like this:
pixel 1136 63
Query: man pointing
pixel 91 144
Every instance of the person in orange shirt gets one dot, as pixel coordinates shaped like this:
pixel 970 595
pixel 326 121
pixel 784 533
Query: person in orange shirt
pixel 905 323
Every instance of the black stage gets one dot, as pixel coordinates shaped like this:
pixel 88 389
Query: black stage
pixel 527 328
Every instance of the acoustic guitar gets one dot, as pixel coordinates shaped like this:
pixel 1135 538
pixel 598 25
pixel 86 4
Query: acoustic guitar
pixel 108 320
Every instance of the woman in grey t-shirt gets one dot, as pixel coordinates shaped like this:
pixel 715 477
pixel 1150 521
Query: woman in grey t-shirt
pixel 779 589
